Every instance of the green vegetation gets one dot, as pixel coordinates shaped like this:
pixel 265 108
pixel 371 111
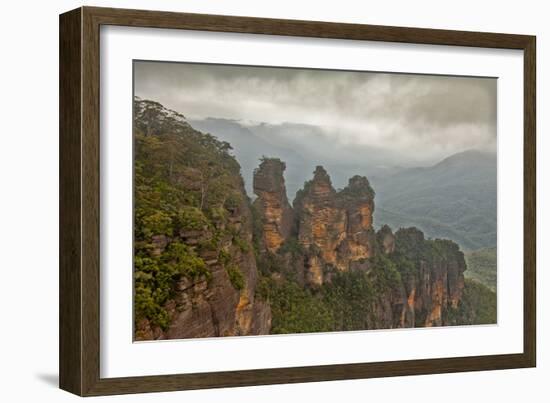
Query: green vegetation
pixel 241 244
pixel 345 303
pixel 478 305
pixel 454 199
pixel 356 299
pixel 350 297
pixel 291 246
pixel 186 187
pixel 298 310
pixel 235 276
pixel 155 274
pixel 410 244
pixel 482 267
pixel 190 218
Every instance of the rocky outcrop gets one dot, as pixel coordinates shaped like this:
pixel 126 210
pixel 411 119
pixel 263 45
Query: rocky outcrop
pixel 385 240
pixel 335 232
pixel 214 305
pixel 272 203
pixel 436 283
pixel 335 228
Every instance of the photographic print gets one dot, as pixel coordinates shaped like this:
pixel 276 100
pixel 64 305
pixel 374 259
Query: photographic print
pixel 271 200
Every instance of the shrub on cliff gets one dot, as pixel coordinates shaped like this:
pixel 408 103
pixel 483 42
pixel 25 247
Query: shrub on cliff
pixel 189 218
pixel 297 310
pixel 154 276
pixel 235 276
pixel 478 305
pixel 350 296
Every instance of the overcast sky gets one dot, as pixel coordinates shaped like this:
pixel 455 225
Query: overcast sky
pixel 429 116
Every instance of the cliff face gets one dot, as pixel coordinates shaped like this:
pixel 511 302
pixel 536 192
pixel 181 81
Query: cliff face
pixel 222 305
pixel 272 203
pixel 434 280
pixel 417 281
pixel 195 270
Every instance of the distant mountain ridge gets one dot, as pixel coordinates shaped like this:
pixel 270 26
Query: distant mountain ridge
pixel 291 142
pixel 249 147
pixel 454 198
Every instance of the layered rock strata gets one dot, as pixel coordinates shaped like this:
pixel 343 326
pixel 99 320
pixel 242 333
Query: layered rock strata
pixel 334 228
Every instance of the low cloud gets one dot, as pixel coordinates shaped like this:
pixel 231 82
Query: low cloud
pixel 423 117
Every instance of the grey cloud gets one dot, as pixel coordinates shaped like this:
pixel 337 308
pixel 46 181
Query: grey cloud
pixel 430 116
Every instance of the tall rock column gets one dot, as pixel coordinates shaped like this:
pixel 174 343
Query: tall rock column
pixel 357 199
pixel 272 203
pixel 321 225
pixel 321 222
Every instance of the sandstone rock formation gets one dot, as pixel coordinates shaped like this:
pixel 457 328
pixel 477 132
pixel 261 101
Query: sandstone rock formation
pixel 335 228
pixel 357 200
pixel 335 232
pixel 272 203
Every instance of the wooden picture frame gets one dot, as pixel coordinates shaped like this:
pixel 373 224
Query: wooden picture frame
pixel 79 347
